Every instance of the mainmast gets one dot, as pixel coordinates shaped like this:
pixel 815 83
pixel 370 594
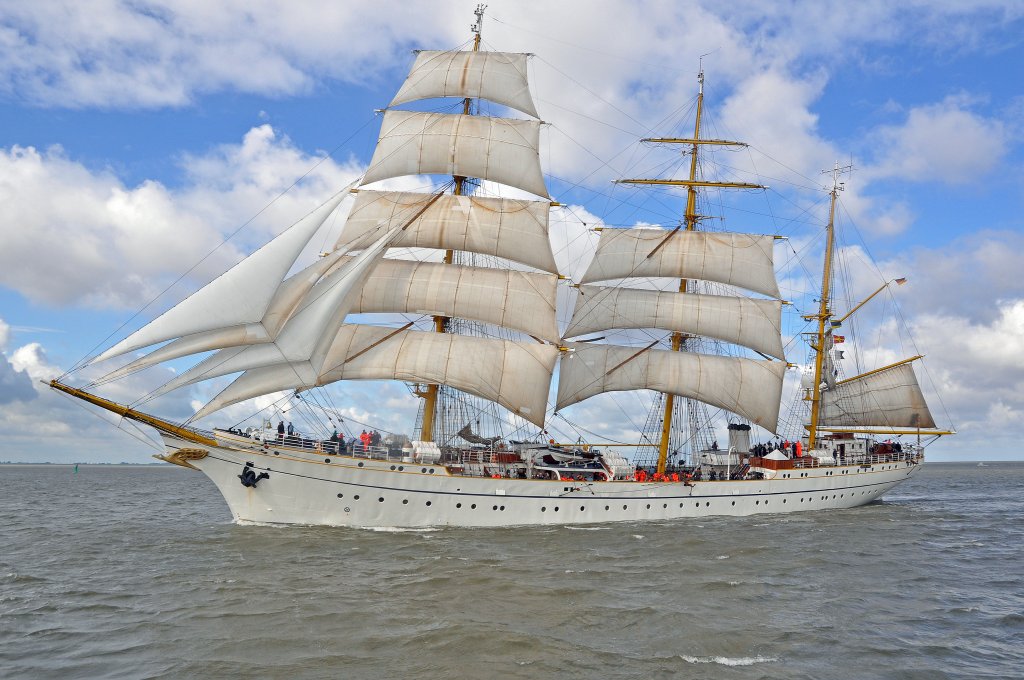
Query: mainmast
pixel 690 219
pixel 430 394
pixel 824 314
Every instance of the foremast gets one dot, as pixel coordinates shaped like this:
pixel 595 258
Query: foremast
pixel 430 393
pixel 690 220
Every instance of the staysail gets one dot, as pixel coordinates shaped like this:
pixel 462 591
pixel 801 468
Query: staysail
pixel 239 296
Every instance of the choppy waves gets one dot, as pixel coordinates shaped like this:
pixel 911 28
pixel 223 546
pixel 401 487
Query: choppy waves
pixel 121 573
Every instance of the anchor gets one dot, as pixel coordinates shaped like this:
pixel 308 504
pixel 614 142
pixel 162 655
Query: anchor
pixel 249 476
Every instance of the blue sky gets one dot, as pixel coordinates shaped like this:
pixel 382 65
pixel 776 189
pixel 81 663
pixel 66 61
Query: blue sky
pixel 134 137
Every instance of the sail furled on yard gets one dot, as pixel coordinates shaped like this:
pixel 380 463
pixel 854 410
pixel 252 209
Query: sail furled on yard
pixel 747 387
pixel 513 374
pixel 736 259
pixel 510 229
pixel 749 322
pixel 241 295
pixel 890 397
pixel 499 77
pixel 502 150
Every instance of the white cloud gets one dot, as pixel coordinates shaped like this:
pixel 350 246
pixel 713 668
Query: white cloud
pixel 119 246
pixel 944 142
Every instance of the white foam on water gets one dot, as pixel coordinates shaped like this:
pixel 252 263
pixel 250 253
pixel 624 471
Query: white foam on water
pixel 727 661
pixel 638 537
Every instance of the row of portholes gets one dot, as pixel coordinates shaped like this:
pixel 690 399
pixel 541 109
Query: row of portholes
pixel 380 499
pixel 399 468
pixel 501 508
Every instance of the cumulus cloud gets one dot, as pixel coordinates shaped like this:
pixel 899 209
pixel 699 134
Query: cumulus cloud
pixel 15 382
pixel 119 246
pixel 944 142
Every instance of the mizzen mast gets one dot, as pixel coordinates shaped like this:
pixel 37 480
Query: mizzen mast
pixel 824 314
pixel 430 393
pixel 690 220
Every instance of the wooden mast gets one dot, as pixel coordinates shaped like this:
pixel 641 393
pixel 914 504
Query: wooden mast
pixel 441 322
pixel 690 218
pixel 824 311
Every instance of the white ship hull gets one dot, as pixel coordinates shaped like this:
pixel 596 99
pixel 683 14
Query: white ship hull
pixel 309 488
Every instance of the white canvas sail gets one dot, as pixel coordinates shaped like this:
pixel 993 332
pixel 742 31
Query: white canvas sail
pixel 499 77
pixel 240 295
pixel 743 260
pixel 511 229
pixel 515 375
pixel 286 299
pixel 747 387
pixel 752 323
pixel 502 150
pixel 518 300
pixel 890 397
pixel 306 336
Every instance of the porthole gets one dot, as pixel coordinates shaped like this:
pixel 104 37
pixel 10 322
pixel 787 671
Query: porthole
pixel 783 500
pixel 648 506
pixel 623 507
pixel 392 467
pixel 734 502
pixel 556 508
pixel 341 495
pixel 708 504
pixel 360 465
pixel 473 507
pixel 680 505
pixel 607 508
pixel 665 505
pixel 401 467
pixel 581 508
pixel 381 499
pixel 543 509
pixel 757 502
pixel 429 503
pixel 356 497
pixel 495 508
pixel 423 470
pixel 276 453
pixel 327 460
pixel 458 505
pixel 431 470
pixel 501 507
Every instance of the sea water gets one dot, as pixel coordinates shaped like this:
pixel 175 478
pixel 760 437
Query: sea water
pixel 130 572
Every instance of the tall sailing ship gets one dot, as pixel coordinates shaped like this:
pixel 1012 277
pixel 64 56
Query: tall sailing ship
pixel 480 345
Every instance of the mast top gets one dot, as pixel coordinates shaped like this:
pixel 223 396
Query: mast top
pixel 479 24
pixel 836 173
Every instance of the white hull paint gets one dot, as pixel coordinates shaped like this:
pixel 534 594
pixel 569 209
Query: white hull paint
pixel 309 488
